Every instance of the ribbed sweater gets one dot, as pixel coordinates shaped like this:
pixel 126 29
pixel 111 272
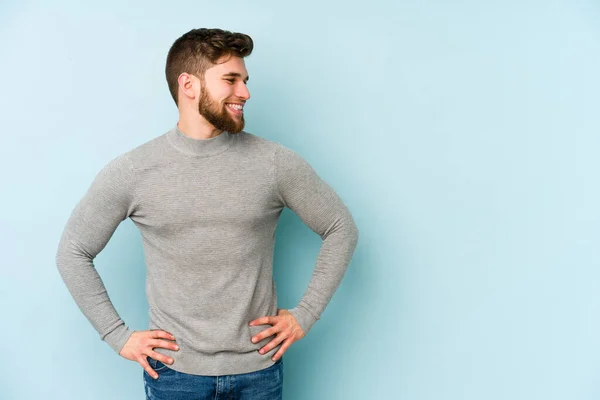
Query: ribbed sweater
pixel 207 210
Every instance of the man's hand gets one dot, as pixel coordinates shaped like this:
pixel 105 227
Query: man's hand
pixel 284 325
pixel 140 344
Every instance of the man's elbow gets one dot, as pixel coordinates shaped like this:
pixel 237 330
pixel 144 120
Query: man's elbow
pixel 346 228
pixel 353 232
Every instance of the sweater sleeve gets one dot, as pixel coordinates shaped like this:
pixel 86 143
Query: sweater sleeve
pixel 107 202
pixel 319 207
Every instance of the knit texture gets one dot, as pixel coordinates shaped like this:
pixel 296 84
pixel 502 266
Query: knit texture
pixel 207 212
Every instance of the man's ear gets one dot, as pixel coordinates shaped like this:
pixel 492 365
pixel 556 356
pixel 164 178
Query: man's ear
pixel 188 85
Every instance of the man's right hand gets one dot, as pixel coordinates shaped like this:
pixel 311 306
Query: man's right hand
pixel 141 344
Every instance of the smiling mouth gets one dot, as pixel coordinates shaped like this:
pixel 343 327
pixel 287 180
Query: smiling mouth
pixel 235 109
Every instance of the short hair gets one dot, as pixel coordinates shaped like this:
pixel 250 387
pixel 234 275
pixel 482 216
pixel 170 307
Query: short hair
pixel 200 49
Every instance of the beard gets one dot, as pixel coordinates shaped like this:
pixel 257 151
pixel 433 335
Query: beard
pixel 217 114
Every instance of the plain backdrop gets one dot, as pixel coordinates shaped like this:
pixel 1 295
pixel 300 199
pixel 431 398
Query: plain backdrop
pixel 462 135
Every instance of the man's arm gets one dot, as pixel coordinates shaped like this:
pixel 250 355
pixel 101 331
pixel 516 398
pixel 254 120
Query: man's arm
pixel 108 201
pixel 319 207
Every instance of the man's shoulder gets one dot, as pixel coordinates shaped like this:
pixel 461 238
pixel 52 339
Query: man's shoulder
pixel 146 152
pixel 281 152
pixel 251 139
pixel 264 145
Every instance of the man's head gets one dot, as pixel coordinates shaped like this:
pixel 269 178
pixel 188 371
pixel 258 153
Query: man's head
pixel 207 76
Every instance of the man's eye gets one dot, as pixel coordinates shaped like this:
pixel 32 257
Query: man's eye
pixel 229 80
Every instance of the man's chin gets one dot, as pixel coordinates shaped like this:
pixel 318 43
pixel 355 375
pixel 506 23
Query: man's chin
pixel 236 124
pixel 236 130
pixel 230 125
pixel 235 127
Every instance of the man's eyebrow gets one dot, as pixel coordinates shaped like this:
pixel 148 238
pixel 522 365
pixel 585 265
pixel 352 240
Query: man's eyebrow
pixel 237 74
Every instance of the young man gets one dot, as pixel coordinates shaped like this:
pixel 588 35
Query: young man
pixel 206 197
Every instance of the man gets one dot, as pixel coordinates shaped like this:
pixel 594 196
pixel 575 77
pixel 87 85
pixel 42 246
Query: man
pixel 206 197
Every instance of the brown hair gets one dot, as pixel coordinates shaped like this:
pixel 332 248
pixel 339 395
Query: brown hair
pixel 199 49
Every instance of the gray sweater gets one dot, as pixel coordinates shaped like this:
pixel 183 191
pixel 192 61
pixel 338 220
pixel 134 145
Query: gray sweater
pixel 207 211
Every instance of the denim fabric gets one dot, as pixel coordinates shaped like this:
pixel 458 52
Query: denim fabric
pixel 265 384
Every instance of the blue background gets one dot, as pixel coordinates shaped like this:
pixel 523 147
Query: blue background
pixel 463 136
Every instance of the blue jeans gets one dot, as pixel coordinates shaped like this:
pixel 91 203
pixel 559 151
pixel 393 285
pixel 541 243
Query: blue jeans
pixel 265 384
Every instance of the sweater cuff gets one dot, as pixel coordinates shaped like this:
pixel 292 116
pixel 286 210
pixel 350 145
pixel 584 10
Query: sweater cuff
pixel 118 337
pixel 305 319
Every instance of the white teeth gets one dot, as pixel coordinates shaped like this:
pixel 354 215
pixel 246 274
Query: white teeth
pixel 235 106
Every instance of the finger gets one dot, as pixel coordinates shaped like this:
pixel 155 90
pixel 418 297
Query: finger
pixel 144 363
pixel 283 349
pixel 265 320
pixel 266 333
pixel 273 343
pixel 163 343
pixel 158 334
pixel 161 357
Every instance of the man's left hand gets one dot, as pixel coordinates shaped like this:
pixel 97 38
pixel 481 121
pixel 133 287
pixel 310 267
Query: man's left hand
pixel 284 325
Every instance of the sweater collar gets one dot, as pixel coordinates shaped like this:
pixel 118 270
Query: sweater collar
pixel 199 147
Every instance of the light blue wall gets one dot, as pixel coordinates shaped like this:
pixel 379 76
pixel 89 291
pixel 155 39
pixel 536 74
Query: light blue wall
pixel 463 137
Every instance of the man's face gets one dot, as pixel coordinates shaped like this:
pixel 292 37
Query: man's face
pixel 223 95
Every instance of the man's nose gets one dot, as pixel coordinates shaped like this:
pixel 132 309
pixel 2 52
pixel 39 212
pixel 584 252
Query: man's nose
pixel 243 92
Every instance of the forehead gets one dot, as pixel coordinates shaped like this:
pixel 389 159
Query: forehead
pixel 233 64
